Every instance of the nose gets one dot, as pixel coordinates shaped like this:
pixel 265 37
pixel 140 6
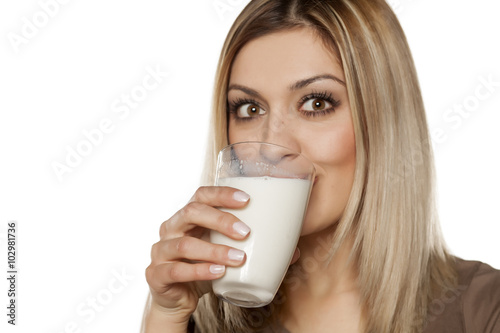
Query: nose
pixel 280 129
pixel 276 154
pixel 257 159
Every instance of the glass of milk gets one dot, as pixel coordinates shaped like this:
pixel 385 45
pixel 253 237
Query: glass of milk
pixel 279 183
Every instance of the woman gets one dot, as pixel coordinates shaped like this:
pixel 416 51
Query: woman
pixel 334 80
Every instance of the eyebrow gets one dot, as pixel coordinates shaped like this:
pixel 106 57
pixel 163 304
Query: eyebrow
pixel 303 83
pixel 296 86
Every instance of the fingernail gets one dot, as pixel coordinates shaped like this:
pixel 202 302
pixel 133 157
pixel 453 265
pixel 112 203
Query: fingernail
pixel 235 255
pixel 241 228
pixel 217 269
pixel 241 196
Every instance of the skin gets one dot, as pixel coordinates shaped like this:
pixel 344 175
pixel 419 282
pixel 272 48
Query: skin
pixel 269 66
pixel 277 73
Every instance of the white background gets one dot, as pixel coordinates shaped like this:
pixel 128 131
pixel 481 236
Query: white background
pixel 75 235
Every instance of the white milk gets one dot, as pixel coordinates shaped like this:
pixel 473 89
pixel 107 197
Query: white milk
pixel 274 214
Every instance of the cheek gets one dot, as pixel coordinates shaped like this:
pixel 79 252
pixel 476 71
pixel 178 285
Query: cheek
pixel 334 154
pixel 332 148
pixel 240 134
pixel 256 131
pixel 232 135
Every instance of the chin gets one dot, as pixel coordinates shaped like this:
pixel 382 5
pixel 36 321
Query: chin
pixel 312 226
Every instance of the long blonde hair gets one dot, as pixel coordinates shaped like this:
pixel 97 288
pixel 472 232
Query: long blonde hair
pixel 398 249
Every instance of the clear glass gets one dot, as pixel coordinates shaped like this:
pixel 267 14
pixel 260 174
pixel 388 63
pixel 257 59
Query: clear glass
pixel 279 182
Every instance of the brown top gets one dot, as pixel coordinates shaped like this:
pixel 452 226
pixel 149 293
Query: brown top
pixel 472 307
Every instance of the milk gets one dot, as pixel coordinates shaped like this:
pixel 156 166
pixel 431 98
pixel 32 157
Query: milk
pixel 274 213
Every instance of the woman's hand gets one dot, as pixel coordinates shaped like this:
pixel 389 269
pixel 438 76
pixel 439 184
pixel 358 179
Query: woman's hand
pixel 184 262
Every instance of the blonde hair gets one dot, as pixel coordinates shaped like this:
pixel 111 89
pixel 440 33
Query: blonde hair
pixel 398 249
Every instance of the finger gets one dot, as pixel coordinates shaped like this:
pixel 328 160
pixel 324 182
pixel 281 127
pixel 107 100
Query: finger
pixel 196 214
pixel 195 249
pixel 159 277
pixel 221 196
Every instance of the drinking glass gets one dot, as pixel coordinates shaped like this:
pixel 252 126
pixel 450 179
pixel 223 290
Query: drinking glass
pixel 278 181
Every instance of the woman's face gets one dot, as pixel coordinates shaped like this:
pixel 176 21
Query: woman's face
pixel 287 88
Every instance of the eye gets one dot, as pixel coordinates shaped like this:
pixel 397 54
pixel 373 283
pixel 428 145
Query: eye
pixel 316 104
pixel 249 110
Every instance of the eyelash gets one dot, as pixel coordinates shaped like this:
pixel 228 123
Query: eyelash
pixel 234 105
pixel 326 96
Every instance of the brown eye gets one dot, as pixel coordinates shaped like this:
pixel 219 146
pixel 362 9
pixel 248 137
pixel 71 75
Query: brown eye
pixel 253 110
pixel 249 110
pixel 318 104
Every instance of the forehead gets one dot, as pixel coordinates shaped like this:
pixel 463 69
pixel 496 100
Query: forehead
pixel 284 57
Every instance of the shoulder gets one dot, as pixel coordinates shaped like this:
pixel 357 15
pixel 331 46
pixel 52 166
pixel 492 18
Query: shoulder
pixel 480 285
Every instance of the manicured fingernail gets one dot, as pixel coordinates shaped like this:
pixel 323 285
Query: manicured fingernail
pixel 217 269
pixel 235 255
pixel 241 228
pixel 241 196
